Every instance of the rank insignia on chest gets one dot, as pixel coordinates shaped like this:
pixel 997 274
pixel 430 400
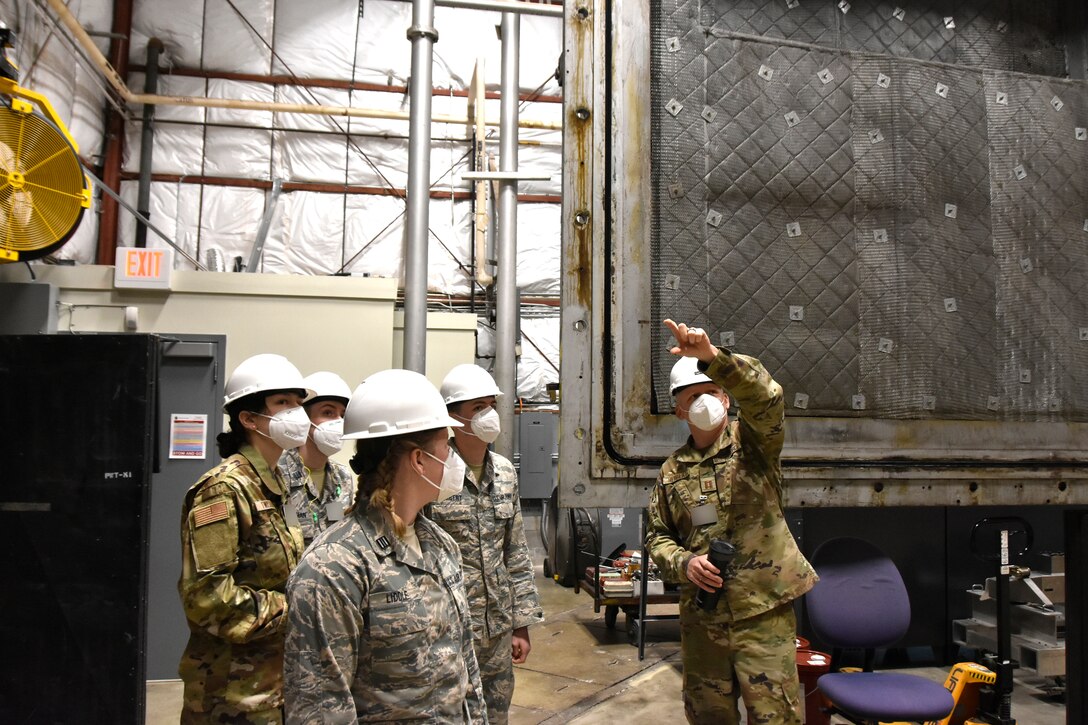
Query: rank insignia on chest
pixel 708 484
pixel 383 542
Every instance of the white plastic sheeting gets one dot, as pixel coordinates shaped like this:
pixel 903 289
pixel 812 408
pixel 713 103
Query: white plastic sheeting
pixel 538 364
pixel 311 232
pixel 179 133
pixel 180 27
pixel 174 211
pixel 228 42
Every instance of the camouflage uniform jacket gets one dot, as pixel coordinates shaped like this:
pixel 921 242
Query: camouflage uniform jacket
pixel 740 475
pixel 485 521
pixel 316 512
pixel 378 634
pixel 237 552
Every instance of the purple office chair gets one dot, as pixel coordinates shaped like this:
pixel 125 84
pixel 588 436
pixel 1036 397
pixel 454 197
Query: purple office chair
pixel 861 602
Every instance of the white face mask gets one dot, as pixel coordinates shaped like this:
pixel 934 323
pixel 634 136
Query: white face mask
pixel 453 475
pixel 328 436
pixel 288 428
pixel 485 425
pixel 706 412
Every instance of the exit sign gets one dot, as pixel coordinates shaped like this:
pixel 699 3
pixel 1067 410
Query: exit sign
pixel 143 268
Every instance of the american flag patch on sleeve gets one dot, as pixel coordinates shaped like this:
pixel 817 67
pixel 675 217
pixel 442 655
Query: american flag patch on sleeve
pixel 210 513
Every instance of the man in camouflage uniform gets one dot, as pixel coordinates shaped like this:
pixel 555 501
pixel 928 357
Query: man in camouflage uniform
pixel 726 483
pixel 320 489
pixel 485 521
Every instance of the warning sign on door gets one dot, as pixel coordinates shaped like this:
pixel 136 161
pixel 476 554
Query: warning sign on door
pixel 188 433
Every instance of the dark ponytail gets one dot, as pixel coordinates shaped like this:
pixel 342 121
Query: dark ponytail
pixel 230 441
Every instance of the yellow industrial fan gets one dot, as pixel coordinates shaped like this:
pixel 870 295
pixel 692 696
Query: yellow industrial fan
pixel 43 190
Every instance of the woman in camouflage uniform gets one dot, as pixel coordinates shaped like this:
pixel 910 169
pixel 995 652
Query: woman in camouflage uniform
pixel 380 628
pixel 237 551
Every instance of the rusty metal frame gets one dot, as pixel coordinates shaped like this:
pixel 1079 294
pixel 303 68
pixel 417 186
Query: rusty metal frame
pixel 611 443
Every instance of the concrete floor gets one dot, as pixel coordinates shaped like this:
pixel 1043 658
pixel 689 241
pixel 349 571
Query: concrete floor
pixel 581 672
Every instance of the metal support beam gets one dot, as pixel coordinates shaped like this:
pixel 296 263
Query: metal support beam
pixel 506 279
pixel 266 222
pixel 505 6
pixel 423 37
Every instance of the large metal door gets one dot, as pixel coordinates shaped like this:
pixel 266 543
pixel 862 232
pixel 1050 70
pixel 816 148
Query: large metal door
pixel 884 204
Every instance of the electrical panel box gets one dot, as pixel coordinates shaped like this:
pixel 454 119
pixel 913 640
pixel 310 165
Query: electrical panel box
pixel 538 453
pixel 30 308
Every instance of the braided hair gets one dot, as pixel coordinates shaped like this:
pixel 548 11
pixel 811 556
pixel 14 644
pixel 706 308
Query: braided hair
pixel 376 461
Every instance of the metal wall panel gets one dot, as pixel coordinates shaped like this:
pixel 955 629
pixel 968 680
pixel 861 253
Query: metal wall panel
pixel 191 378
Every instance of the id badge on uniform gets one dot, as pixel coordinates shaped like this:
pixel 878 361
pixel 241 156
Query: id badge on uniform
pixel 334 510
pixel 290 516
pixel 705 514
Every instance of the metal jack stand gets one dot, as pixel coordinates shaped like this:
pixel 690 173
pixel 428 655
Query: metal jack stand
pixel 995 702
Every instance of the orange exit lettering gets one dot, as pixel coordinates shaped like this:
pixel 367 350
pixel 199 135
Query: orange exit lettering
pixel 144 263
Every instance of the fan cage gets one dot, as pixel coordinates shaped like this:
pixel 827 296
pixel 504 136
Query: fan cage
pixel 42 186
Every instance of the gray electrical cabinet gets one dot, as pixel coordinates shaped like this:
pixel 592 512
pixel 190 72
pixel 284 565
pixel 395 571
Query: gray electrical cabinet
pixel 188 419
pixel 30 308
pixel 538 451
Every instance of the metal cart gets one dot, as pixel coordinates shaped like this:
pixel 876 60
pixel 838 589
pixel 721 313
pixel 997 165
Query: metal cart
pixel 634 607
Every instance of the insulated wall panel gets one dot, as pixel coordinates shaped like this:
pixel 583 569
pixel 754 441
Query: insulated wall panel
pixel 882 203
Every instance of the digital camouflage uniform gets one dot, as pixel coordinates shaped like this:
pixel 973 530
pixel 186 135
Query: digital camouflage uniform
pixel 377 634
pixel 748 641
pixel 237 552
pixel 316 512
pixel 485 521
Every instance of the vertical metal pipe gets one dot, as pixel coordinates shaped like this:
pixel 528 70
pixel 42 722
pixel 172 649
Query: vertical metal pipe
pixel 506 281
pixel 147 140
pixel 423 37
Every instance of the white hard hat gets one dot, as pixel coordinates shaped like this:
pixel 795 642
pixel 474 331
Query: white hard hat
pixel 684 373
pixel 394 402
pixel 260 373
pixel 468 382
pixel 326 385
